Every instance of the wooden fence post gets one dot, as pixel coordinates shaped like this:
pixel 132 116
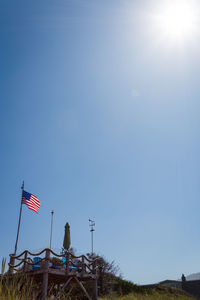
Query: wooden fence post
pixel 25 264
pixel 45 275
pixel 95 281
pixel 12 262
pixel 82 266
pixel 67 262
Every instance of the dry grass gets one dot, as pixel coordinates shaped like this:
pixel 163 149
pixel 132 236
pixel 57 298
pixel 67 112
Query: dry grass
pixel 148 297
pixel 19 288
pixel 154 296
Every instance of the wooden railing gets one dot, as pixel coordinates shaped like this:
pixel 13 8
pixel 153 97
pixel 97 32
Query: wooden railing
pixel 25 259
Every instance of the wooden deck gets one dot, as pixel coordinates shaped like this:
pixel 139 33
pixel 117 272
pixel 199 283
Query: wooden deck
pixel 58 276
pixel 46 275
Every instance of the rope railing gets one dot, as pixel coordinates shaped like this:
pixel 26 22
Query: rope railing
pixel 17 256
pixel 85 257
pixel 15 266
pixel 55 254
pixel 27 262
pixel 80 265
pixel 30 253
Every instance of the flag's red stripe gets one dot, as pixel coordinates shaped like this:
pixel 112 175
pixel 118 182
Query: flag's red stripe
pixel 33 202
pixel 35 198
pixel 33 208
pixel 30 202
pixel 38 203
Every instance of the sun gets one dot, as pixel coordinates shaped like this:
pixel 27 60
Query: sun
pixel 177 19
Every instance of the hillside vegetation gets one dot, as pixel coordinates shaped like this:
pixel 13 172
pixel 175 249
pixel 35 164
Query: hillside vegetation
pixel 23 288
pixel 158 293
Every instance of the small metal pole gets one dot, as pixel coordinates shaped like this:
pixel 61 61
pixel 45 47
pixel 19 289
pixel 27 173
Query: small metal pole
pixel 92 224
pixel 52 212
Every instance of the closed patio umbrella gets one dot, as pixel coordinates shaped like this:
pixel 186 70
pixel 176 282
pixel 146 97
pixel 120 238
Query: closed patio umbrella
pixel 67 241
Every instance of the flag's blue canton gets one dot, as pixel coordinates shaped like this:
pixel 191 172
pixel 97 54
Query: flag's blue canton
pixel 27 195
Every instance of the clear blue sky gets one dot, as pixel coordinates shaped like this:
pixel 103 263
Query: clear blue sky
pixel 100 116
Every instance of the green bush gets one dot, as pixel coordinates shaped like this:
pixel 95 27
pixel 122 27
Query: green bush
pixel 124 287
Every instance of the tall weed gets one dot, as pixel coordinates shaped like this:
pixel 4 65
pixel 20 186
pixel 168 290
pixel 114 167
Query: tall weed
pixel 16 288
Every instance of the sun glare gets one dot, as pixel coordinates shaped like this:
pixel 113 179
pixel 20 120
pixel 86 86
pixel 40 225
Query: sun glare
pixel 178 19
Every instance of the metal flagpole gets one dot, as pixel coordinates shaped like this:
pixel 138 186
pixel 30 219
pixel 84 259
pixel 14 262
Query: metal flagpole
pixel 20 214
pixel 52 212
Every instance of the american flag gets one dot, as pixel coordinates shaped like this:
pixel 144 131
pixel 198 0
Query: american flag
pixel 31 201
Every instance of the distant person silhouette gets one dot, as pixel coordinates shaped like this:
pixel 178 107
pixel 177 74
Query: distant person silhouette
pixel 183 278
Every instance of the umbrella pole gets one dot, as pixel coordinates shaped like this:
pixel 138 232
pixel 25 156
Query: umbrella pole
pixel 52 212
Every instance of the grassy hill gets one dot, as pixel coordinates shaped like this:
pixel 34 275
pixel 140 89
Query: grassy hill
pixel 23 288
pixel 159 293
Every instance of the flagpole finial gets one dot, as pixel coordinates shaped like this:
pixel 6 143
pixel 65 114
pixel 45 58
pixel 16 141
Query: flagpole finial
pixel 22 185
